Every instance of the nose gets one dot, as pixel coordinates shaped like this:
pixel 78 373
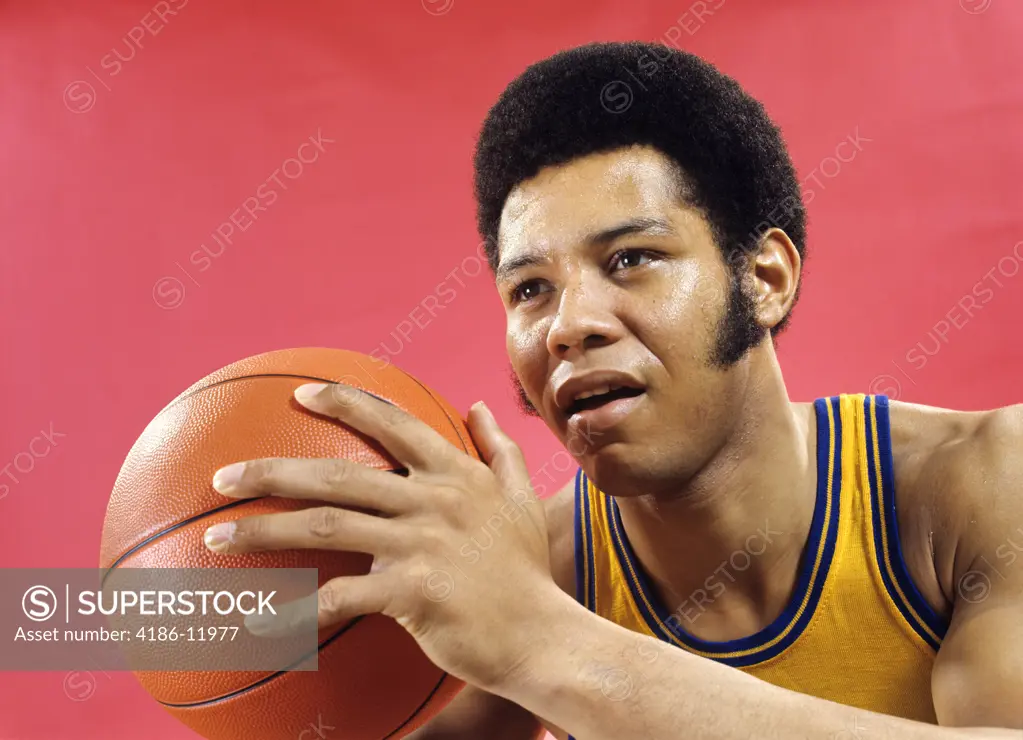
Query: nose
pixel 585 320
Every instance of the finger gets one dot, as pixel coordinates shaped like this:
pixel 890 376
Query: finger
pixel 338 600
pixel 499 451
pixel 322 528
pixel 290 619
pixel 411 441
pixel 348 597
pixel 323 479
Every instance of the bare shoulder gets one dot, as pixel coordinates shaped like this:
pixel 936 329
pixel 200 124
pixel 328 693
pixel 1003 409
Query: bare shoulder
pixel 956 473
pixel 935 447
pixel 560 511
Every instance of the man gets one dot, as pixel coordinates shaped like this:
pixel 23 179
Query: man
pixel 727 563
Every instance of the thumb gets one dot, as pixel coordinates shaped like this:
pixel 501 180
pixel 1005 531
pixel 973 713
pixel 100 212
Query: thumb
pixel 498 450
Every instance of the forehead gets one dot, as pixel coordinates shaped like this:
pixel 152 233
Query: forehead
pixel 563 202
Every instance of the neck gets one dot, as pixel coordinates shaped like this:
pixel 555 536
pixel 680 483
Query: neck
pixel 723 550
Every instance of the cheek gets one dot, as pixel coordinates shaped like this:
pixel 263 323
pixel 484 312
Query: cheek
pixel 681 319
pixel 527 352
pixel 705 293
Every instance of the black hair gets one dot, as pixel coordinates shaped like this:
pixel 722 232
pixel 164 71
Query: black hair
pixel 732 161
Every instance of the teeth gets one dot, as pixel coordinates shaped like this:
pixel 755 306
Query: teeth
pixel 597 391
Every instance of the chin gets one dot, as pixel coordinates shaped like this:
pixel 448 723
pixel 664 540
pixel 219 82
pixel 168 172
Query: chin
pixel 619 468
pixel 626 468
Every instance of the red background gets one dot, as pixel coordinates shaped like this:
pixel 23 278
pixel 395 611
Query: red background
pixel 107 192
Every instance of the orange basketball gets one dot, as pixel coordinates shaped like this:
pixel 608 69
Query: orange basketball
pixel 372 681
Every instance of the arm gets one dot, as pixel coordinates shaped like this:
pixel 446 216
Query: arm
pixel 978 676
pixel 605 682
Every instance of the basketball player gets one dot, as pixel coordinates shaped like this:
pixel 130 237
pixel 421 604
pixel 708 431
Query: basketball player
pixel 726 563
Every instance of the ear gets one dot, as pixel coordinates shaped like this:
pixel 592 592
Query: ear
pixel 776 269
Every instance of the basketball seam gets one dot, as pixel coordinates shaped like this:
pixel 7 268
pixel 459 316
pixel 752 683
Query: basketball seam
pixel 346 627
pixel 426 701
pixel 191 393
pixel 236 503
pixel 266 679
pixel 442 408
pixel 177 525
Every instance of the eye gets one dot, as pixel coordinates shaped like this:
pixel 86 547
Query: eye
pixel 626 258
pixel 526 291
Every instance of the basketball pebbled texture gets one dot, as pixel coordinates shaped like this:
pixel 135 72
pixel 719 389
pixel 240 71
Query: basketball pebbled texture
pixel 372 682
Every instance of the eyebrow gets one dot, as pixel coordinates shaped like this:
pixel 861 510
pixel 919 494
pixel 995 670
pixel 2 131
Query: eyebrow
pixel 651 226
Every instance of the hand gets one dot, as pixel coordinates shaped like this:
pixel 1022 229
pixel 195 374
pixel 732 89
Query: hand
pixel 467 607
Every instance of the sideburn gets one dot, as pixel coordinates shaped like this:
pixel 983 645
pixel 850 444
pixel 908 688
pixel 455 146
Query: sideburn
pixel 738 331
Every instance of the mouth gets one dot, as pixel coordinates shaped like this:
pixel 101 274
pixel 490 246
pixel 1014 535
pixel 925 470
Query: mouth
pixel 600 398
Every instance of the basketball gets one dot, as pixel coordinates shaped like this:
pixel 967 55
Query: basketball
pixel 372 681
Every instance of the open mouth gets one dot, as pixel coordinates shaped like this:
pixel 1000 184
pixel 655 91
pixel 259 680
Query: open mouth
pixel 602 399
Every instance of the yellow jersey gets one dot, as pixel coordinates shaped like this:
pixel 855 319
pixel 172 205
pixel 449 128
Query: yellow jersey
pixel 856 630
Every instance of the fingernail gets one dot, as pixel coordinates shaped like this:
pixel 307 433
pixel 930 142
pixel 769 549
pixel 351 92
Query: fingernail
pixel 309 391
pixel 484 408
pixel 227 478
pixel 219 536
pixel 259 624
